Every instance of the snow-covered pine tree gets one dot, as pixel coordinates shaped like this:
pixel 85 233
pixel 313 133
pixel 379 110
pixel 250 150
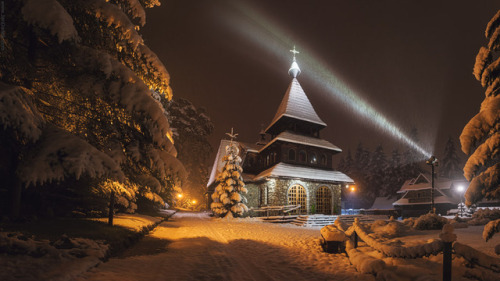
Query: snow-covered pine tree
pixel 450 164
pixel 191 127
pixel 80 97
pixel 480 138
pixel 376 171
pixel 228 199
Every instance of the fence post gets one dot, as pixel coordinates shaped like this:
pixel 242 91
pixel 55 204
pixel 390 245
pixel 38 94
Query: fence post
pixel 448 237
pixel 447 261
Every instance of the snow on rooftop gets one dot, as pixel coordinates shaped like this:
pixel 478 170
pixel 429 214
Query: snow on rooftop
pixel 295 104
pixel 383 203
pixel 292 171
pixel 443 199
pixel 305 140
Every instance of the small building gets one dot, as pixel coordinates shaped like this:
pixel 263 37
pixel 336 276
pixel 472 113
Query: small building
pixel 416 195
pixel 295 165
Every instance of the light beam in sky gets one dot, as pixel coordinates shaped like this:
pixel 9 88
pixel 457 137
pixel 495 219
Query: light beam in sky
pixel 257 28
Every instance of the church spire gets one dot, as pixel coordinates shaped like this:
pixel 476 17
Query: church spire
pixel 294 70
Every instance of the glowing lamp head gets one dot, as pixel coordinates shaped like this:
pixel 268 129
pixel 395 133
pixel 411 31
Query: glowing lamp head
pixel 432 161
pixel 194 201
pixel 353 188
pixel 179 195
pixel 460 188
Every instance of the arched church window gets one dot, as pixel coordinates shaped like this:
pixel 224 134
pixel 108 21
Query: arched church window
pixel 323 159
pixel 312 158
pixel 302 156
pixel 324 200
pixel 297 196
pixel 291 154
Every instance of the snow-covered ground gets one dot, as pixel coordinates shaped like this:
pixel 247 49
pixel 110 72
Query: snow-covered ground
pixel 204 248
pixel 193 246
pixel 25 258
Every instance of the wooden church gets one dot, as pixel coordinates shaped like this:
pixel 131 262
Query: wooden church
pixel 295 165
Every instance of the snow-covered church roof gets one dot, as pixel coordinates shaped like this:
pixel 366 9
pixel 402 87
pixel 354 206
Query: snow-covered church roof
pixel 295 104
pixel 305 140
pixel 293 171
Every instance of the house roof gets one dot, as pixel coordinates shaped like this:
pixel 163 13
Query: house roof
pixel 442 199
pixel 305 140
pixel 293 171
pixel 218 164
pixel 295 104
pixel 383 203
pixel 422 182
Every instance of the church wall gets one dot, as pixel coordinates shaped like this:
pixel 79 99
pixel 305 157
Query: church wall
pixel 277 190
pixel 252 195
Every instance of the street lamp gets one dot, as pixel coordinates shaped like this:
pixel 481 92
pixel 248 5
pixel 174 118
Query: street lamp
pixel 460 190
pixel 433 162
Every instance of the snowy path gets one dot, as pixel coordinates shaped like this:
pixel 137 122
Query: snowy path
pixel 193 246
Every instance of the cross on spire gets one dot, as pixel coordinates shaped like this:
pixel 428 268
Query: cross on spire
pixel 232 135
pixel 294 51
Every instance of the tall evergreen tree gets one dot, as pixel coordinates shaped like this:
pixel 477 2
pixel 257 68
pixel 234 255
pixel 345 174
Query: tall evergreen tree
pixel 377 169
pixel 191 128
pixel 480 138
pixel 450 164
pixel 395 174
pixel 228 199
pixel 411 158
pixel 80 98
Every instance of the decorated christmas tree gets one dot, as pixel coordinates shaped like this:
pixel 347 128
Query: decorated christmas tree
pixel 228 200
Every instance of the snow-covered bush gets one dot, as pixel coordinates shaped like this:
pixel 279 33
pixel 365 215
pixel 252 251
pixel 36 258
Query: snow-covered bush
pixel 387 229
pixel 490 229
pixel 430 221
pixel 483 216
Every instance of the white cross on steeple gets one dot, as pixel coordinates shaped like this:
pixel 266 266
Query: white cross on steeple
pixel 294 51
pixel 232 135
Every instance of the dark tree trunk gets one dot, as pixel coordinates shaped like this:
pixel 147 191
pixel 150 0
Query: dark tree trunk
pixel 111 208
pixel 15 207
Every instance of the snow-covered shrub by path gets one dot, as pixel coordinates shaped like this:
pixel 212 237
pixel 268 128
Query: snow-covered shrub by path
pixel 483 216
pixel 228 200
pixel 83 99
pixel 430 221
pixel 387 229
pixel 480 138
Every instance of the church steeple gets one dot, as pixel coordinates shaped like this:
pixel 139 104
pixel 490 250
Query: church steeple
pixel 294 70
pixel 295 111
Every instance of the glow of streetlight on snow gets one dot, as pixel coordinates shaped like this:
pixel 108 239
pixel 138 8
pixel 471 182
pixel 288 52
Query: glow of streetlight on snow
pixel 267 34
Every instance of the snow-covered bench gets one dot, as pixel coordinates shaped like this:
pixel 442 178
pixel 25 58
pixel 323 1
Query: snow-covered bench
pixel 333 239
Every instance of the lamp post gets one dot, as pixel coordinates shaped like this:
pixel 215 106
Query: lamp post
pixel 460 190
pixel 433 162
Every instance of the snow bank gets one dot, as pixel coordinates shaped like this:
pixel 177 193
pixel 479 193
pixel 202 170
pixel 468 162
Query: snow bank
pixel 24 258
pixel 432 247
pixel 476 257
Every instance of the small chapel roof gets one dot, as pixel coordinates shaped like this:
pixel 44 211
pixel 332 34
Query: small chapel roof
pixel 293 171
pixel 305 140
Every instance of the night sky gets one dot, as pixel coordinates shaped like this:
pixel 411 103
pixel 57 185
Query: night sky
pixel 409 60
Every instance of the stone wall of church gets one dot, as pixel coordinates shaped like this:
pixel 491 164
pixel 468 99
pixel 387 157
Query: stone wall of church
pixel 252 195
pixel 277 190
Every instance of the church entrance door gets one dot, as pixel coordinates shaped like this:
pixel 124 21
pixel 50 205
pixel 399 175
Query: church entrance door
pixel 297 195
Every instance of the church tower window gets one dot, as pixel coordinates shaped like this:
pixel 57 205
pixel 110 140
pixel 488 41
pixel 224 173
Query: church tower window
pixel 291 154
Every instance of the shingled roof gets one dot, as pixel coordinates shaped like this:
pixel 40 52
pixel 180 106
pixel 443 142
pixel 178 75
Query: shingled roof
pixel 295 104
